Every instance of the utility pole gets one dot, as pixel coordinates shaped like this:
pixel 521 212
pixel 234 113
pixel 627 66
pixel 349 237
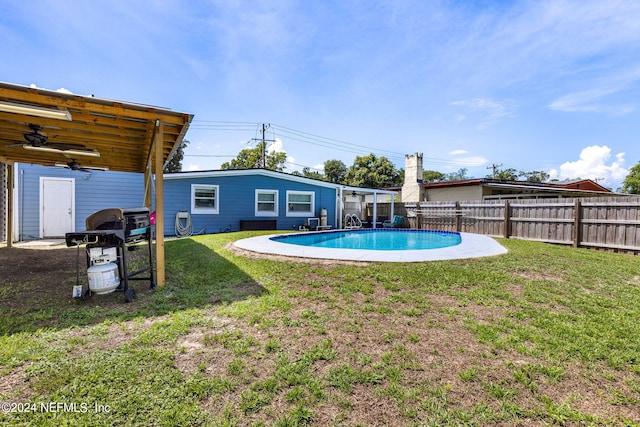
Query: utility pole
pixel 264 144
pixel 495 169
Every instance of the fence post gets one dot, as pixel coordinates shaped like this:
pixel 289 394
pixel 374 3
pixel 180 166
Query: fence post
pixel 576 223
pixel 458 217
pixel 506 225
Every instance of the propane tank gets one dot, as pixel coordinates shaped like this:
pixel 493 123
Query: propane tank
pixel 323 217
pixel 103 278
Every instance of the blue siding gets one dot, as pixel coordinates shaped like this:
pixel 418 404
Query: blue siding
pixel 102 190
pixel 93 192
pixel 237 202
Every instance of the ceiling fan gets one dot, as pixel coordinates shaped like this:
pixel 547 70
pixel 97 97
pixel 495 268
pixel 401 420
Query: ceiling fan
pixel 39 141
pixel 76 166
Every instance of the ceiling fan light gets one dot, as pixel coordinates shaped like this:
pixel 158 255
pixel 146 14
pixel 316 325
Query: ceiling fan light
pixel 30 110
pixel 87 153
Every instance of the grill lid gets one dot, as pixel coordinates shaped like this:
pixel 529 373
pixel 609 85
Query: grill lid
pixel 118 219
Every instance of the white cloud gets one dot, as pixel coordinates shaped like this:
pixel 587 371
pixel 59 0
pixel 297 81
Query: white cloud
pixel 598 98
pixel 457 152
pixel 594 163
pixel 61 90
pixel 472 161
pixel 490 111
pixel 276 146
pixel 193 167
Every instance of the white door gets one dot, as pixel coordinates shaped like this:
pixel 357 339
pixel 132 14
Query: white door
pixel 57 214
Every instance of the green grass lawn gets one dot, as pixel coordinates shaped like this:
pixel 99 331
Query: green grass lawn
pixel 543 335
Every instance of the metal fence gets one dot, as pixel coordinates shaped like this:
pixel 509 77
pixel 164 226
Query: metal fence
pixel 611 223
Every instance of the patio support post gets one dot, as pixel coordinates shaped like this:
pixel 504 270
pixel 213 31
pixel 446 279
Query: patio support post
pixel 375 209
pixel 158 146
pixel 339 208
pixel 393 211
pixel 10 185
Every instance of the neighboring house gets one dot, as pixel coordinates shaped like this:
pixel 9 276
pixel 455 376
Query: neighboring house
pixel 487 189
pixel 53 201
pixel 231 200
pixel 415 191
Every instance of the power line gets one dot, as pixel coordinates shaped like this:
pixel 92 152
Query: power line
pixel 288 133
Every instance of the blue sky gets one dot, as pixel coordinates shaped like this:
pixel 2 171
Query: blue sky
pixel 532 85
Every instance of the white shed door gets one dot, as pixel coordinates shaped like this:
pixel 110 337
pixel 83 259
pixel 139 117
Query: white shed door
pixel 57 207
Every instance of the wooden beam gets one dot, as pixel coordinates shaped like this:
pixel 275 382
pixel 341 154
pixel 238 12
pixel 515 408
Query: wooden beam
pixel 10 186
pixel 48 99
pixel 159 162
pixel 148 185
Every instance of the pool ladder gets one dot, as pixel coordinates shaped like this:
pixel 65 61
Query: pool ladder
pixel 352 221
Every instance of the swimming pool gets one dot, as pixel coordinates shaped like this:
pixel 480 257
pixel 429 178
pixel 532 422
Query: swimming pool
pixel 378 239
pixel 470 246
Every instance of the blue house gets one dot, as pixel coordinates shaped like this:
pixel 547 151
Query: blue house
pixel 232 200
pixel 53 201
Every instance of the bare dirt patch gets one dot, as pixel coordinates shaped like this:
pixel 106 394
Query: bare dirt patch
pixel 37 278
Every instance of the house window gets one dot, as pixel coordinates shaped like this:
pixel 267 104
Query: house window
pixel 266 203
pixel 204 199
pixel 300 203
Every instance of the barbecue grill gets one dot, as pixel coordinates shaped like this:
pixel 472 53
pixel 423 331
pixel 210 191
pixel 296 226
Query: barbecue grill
pixel 115 228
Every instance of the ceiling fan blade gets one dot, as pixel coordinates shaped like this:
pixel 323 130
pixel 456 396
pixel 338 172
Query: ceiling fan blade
pixel 66 146
pixel 76 166
pixel 95 168
pixel 64 152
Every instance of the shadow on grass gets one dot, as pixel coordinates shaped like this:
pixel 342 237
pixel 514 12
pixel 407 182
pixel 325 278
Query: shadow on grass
pixel 36 286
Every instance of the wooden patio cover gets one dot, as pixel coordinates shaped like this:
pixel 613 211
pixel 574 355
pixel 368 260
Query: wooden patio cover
pixel 121 136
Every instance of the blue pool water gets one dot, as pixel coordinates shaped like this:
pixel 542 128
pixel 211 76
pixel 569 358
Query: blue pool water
pixel 378 239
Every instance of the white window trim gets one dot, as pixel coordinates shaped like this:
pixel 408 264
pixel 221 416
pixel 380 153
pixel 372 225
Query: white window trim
pixel 275 200
pixel 311 213
pixel 196 210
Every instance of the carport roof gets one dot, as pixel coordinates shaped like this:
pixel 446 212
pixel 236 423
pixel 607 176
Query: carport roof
pixel 121 132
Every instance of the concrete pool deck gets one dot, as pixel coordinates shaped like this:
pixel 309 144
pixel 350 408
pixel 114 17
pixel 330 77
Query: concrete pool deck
pixel 472 246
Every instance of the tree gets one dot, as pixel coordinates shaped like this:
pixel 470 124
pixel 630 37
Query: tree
pixel 461 175
pixel 535 176
pixel 631 183
pixel 373 172
pixel 432 176
pixel 307 172
pixel 175 163
pixel 509 174
pixel 252 158
pixel 334 171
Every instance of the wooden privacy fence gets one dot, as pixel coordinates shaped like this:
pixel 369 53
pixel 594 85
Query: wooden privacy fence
pixel 606 223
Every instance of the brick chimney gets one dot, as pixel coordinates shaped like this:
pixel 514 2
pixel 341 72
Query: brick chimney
pixel 412 178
